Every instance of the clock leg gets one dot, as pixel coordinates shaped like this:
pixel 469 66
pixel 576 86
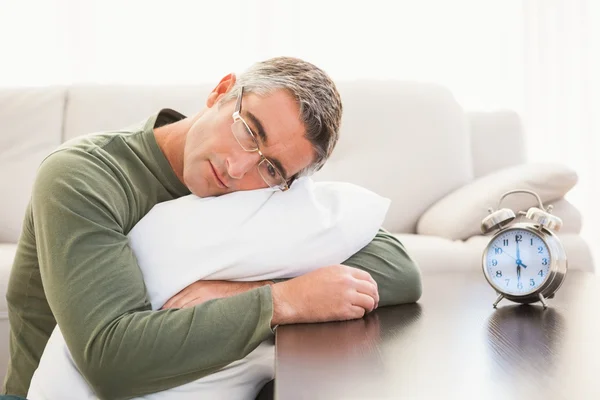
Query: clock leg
pixel 543 300
pixel 498 300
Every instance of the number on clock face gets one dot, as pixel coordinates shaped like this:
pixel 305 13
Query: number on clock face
pixel 518 261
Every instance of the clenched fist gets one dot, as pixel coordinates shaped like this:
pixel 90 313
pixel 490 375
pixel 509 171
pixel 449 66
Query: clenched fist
pixel 333 293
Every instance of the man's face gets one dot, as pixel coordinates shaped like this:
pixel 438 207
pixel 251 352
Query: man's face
pixel 215 163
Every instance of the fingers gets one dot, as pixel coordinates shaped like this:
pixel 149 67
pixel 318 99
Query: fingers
pixel 363 278
pixel 180 299
pixel 366 302
pixel 192 303
pixel 376 292
pixel 171 302
pixel 369 288
pixel 362 275
pixel 357 312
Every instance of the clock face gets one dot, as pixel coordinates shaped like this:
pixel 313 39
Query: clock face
pixel 517 262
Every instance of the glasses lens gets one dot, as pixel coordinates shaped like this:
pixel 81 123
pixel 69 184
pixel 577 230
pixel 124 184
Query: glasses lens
pixel 243 136
pixel 270 174
pixel 267 170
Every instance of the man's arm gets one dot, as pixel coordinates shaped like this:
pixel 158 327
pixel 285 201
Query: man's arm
pixel 396 273
pixel 96 291
pixel 385 259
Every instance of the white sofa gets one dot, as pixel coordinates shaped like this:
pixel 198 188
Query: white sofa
pixel 409 141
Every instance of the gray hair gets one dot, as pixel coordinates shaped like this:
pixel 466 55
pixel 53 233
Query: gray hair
pixel 317 96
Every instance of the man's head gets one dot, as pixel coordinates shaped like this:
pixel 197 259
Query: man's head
pixel 291 103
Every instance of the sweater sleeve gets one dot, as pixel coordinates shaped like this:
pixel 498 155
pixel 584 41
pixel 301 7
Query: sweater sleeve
pixel 96 291
pixel 396 273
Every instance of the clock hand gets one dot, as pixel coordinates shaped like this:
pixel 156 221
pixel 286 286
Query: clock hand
pixel 518 273
pixel 503 252
pixel 518 260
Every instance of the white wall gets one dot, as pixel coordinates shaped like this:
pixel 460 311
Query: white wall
pixel 472 46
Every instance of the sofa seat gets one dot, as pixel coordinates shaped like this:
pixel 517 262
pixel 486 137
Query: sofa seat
pixel 434 253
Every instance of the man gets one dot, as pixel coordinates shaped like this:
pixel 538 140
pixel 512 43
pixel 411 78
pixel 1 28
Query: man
pixel 74 267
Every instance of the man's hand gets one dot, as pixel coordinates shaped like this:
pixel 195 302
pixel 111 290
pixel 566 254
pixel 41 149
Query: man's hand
pixel 333 293
pixel 202 291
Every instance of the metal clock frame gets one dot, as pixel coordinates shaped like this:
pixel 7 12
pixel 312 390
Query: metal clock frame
pixel 556 272
pixel 538 220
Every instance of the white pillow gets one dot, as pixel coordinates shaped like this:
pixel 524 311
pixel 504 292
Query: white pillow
pixel 458 215
pixel 254 235
pixel 251 235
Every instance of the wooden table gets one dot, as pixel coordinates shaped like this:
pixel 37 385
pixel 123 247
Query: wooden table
pixel 451 345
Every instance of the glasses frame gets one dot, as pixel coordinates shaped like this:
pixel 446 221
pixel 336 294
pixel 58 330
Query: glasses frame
pixel 283 186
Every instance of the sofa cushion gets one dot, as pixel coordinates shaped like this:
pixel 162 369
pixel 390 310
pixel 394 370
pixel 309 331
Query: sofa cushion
pixel 406 141
pixel 437 254
pixel 30 128
pixel 459 215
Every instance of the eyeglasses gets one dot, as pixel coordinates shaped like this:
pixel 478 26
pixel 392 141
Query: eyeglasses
pixel 246 138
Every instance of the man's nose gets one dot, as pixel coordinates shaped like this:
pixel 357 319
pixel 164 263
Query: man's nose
pixel 240 163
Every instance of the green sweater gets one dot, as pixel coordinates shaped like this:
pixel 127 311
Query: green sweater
pixel 74 267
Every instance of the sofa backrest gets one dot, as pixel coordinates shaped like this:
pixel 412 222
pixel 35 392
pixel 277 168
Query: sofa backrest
pixel 408 141
pixel 31 126
pixel 404 140
pixel 99 108
pixel 497 141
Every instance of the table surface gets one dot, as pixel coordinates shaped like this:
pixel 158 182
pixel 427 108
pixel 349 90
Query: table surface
pixel 451 344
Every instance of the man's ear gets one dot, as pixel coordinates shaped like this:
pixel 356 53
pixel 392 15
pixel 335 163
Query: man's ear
pixel 219 91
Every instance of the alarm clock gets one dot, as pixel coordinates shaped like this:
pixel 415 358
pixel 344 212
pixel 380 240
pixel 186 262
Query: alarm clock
pixel 524 260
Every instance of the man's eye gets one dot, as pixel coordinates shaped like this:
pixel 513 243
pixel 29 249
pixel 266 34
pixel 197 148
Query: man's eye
pixel 272 172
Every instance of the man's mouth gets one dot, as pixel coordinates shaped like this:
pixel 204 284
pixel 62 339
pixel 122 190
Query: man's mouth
pixel 219 181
